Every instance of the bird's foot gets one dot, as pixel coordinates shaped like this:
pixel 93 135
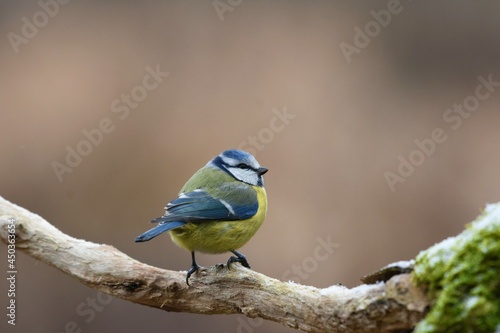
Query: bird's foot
pixel 192 270
pixel 239 258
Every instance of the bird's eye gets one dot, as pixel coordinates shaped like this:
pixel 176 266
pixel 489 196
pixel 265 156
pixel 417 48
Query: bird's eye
pixel 242 166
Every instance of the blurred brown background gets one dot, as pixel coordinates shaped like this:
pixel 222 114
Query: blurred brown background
pixel 228 71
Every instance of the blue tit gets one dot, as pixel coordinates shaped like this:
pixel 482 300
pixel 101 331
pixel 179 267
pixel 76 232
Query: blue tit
pixel 218 210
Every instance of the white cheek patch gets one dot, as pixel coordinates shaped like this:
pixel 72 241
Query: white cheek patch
pixel 245 175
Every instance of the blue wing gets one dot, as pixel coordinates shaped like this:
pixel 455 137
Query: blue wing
pixel 236 203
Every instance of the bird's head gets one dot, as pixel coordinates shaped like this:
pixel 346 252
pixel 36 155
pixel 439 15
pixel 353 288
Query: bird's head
pixel 241 165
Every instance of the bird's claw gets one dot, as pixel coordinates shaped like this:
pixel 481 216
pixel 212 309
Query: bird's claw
pixel 192 270
pixel 239 258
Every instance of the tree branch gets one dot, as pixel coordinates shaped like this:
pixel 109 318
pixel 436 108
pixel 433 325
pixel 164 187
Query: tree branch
pixel 392 306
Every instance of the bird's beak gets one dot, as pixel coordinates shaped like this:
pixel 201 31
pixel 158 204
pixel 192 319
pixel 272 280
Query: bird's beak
pixel 262 171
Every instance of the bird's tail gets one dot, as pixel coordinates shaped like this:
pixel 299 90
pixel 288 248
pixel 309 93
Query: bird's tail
pixel 160 228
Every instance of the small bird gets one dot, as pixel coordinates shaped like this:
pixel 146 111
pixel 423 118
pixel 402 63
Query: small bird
pixel 218 210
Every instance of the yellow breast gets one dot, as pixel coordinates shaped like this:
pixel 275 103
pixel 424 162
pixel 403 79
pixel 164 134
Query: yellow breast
pixel 221 236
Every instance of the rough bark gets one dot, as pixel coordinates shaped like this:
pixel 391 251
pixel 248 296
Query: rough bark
pixel 392 306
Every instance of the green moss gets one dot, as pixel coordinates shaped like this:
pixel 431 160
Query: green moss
pixel 463 277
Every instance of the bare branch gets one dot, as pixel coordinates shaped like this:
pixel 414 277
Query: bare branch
pixel 395 305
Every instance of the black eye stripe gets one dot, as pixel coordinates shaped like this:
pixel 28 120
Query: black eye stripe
pixel 242 165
